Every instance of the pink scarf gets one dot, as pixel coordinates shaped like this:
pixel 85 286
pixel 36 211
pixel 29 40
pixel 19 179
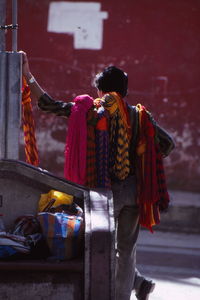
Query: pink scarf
pixel 76 143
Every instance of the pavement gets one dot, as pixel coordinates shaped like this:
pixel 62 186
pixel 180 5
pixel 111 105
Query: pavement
pixel 172 260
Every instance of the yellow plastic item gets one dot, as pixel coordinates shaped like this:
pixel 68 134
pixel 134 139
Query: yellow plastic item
pixel 61 198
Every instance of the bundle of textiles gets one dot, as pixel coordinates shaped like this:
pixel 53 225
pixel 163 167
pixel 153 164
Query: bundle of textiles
pixel 98 151
pixel 92 128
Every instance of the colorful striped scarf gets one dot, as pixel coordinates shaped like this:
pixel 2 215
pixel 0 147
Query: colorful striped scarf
pixel 97 147
pixel 102 149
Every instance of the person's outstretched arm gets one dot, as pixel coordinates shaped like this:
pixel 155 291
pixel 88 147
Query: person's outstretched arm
pixel 35 88
pixel 45 102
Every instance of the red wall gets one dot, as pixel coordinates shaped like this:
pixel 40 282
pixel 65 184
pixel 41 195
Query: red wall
pixel 156 42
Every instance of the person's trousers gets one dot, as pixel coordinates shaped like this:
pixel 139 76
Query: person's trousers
pixel 126 214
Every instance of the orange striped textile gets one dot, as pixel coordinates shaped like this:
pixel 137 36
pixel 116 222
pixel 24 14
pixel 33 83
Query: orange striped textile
pixel 31 150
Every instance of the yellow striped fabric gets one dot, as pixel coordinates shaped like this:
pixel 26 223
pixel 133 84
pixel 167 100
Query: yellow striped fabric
pixel 118 136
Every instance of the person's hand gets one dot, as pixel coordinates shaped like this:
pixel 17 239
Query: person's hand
pixel 35 88
pixel 25 66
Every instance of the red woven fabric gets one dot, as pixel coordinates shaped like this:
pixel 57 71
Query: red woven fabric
pixel 152 185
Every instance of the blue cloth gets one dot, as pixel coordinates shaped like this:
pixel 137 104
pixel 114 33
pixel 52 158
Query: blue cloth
pixel 7 251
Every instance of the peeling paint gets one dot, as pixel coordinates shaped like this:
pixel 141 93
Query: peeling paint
pixel 186 138
pixel 47 143
pixel 81 19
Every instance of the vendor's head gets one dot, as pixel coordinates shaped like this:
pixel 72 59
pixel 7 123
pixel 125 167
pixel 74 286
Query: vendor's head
pixel 111 79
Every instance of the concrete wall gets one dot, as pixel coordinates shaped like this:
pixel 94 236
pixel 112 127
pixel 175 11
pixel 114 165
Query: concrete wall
pixel 41 285
pixel 156 42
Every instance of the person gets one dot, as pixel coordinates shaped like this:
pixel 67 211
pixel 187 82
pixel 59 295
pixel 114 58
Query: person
pixel 115 134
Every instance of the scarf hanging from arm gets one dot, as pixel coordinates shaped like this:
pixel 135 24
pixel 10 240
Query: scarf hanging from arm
pixel 31 150
pixel 152 187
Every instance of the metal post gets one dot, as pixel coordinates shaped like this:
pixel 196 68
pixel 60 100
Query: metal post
pixel 3 106
pixel 10 104
pixel 13 105
pixel 2 22
pixel 10 94
pixel 14 21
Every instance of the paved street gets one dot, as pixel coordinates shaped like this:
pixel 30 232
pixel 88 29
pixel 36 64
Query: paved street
pixel 172 260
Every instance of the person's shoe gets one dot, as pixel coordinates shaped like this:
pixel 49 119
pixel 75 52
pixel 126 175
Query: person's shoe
pixel 146 288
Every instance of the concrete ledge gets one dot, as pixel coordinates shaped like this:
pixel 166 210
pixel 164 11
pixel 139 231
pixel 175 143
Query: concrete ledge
pixel 37 285
pixel 76 265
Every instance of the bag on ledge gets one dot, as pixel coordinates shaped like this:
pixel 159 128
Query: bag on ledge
pixel 63 232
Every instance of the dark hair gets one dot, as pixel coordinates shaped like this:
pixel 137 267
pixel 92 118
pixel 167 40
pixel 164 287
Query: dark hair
pixel 112 79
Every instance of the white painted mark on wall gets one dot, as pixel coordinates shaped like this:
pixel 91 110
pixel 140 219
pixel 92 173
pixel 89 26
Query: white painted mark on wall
pixel 83 20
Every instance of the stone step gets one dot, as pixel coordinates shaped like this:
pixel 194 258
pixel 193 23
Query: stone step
pixel 183 213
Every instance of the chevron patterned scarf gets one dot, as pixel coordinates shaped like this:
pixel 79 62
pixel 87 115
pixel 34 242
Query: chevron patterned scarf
pixel 119 136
